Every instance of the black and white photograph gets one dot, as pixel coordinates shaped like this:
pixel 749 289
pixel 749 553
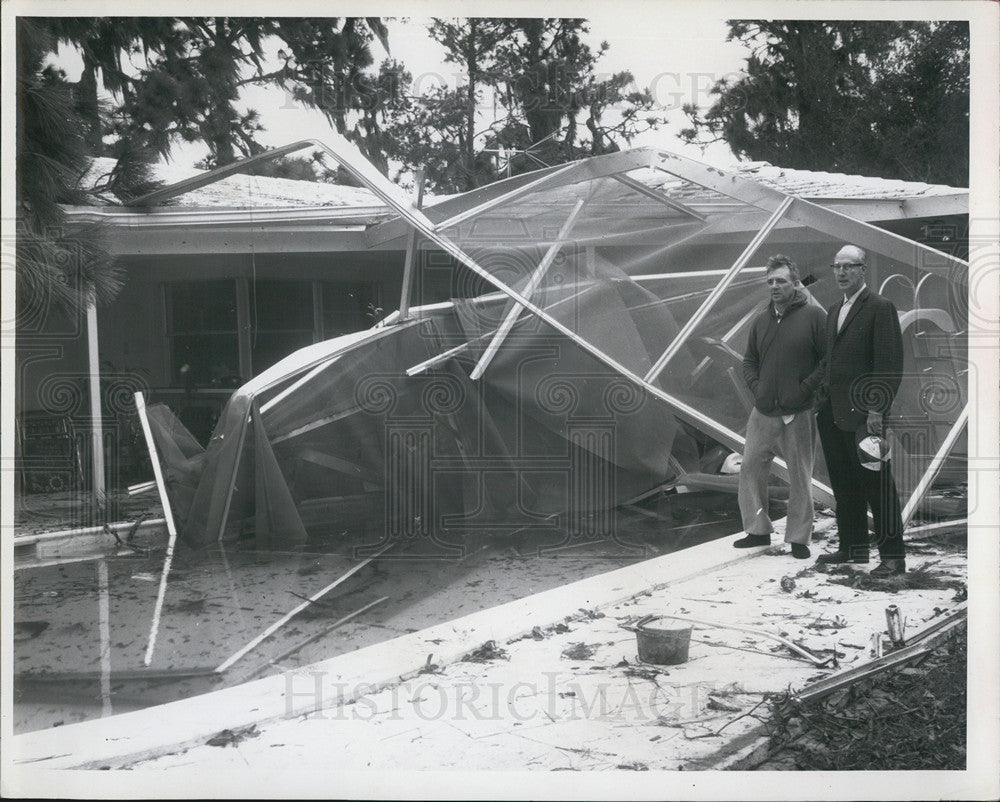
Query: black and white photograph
pixel 450 403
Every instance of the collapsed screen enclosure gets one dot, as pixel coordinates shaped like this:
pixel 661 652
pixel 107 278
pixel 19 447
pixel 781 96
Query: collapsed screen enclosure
pixel 591 352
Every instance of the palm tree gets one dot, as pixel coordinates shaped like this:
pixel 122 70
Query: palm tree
pixel 70 265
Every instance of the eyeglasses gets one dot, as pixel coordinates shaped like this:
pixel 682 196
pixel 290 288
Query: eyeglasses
pixel 846 265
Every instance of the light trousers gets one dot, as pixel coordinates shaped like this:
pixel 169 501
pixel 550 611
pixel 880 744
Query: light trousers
pixel 795 442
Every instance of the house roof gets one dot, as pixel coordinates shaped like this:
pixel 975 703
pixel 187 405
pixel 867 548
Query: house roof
pixel 249 192
pixel 260 192
pixel 820 185
pixel 215 209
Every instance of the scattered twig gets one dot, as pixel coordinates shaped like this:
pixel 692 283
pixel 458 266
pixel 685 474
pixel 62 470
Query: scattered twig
pixel 233 737
pixel 749 712
pixel 483 654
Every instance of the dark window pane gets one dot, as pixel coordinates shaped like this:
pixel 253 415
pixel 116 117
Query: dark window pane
pixel 282 305
pixel 350 306
pixel 211 359
pixel 199 306
pixel 204 349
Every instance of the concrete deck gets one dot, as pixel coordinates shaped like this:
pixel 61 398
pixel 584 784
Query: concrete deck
pixel 567 694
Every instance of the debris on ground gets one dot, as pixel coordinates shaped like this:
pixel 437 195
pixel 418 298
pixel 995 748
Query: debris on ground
pixel 233 737
pixel 579 651
pixel 717 704
pixel 488 651
pixel 537 633
pixel 916 579
pixel 838 622
pixel 25 630
pixel 650 673
pixel 188 606
pixel 429 667
pixel 913 718
pixel 787 584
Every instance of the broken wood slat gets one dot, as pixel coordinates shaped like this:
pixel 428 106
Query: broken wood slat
pixel 290 615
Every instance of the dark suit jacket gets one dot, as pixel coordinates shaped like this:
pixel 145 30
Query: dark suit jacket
pixel 864 361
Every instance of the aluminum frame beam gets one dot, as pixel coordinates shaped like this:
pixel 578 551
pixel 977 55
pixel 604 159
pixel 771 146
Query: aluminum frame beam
pixel 713 297
pixel 199 181
pixel 572 173
pixel 659 197
pixel 529 290
pixel 409 266
pixel 943 452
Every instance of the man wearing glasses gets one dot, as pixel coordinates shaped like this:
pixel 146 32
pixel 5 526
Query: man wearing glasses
pixel 864 365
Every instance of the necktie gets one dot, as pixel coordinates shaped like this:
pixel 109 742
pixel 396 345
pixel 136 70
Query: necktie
pixel 843 315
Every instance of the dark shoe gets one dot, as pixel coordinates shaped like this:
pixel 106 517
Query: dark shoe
pixel 800 551
pixel 841 556
pixel 752 540
pixel 888 568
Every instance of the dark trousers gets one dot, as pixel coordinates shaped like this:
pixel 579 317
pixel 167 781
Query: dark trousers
pixel 855 489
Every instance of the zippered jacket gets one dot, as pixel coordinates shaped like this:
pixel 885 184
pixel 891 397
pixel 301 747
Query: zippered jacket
pixel 783 364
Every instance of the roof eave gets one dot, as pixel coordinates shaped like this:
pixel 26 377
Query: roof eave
pixel 232 216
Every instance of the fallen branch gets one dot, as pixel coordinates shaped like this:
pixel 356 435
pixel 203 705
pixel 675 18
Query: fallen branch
pixel 737 718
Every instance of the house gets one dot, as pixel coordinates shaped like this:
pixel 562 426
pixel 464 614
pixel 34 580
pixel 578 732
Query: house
pixel 236 272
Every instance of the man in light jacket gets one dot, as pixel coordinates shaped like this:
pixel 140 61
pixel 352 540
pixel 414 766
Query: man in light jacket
pixel 783 369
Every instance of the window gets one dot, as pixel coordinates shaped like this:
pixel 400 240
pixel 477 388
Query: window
pixel 222 332
pixel 282 320
pixel 202 328
pixel 350 306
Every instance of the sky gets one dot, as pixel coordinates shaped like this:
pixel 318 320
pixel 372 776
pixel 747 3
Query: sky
pixel 678 55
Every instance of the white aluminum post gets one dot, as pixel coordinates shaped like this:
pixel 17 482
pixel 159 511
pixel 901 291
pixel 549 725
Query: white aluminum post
pixel 527 292
pixel 412 247
pixel 161 486
pixel 935 467
pixel 713 297
pixel 96 417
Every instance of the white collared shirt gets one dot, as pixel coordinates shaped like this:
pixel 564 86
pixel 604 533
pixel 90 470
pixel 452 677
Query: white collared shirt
pixel 848 303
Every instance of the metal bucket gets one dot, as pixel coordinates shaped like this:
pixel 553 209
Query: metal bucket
pixel 666 647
